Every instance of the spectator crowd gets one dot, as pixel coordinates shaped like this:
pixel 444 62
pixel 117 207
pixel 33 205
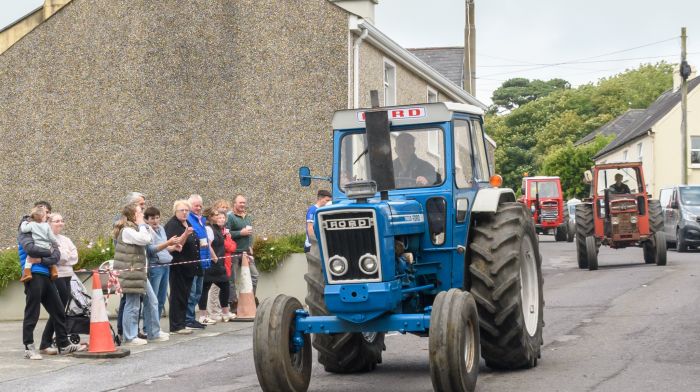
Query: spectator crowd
pixel 195 257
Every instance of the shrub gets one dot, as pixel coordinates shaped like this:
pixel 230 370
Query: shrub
pixel 9 266
pixel 270 252
pixel 93 253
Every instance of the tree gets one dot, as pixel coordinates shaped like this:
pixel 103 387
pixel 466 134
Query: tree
pixel 516 92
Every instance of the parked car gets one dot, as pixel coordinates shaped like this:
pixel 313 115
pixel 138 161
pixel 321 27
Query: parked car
pixel 681 210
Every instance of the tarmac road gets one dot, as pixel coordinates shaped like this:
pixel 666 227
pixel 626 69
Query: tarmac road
pixel 626 327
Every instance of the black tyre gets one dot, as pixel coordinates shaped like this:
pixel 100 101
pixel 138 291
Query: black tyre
pixel 655 252
pixel 591 253
pixel 584 229
pixel 681 244
pixel 649 252
pixel 660 248
pixel 561 232
pixel 338 353
pixel 454 342
pixel 280 366
pixel 506 272
pixel 570 229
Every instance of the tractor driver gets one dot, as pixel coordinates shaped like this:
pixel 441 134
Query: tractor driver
pixel 410 170
pixel 618 187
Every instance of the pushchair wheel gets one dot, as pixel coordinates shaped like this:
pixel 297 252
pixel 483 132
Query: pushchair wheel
pixel 74 338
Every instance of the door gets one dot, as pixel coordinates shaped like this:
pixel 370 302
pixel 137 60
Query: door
pixel 465 184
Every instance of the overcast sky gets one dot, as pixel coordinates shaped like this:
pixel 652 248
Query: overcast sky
pixel 512 35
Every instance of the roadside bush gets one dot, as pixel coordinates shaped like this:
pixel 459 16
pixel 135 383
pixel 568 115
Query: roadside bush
pixel 9 266
pixel 269 252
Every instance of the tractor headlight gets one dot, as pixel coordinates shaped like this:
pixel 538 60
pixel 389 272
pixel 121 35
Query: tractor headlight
pixel 369 264
pixel 615 220
pixel 338 265
pixel 633 220
pixel 532 209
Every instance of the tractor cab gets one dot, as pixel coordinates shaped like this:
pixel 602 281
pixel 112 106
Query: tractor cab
pixel 542 195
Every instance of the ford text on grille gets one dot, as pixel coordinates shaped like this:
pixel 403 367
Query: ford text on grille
pixel 345 224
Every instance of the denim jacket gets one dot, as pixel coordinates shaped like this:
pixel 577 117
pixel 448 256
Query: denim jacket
pixel 155 257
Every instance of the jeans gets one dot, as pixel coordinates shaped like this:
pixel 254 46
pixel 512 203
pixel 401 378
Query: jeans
pixel 159 278
pixel 195 294
pixel 130 317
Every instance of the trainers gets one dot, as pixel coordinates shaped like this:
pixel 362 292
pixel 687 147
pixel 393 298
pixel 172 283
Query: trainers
pixel 228 317
pixel 71 348
pixel 141 335
pixel 183 331
pixel 193 326
pixel 206 321
pixel 30 353
pixel 162 337
pixel 136 342
pixel 49 351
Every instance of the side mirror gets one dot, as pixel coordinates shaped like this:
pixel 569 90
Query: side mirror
pixel 304 176
pixel 587 177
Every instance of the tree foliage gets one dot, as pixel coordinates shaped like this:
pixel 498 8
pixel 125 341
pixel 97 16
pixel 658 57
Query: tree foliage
pixel 516 92
pixel 540 128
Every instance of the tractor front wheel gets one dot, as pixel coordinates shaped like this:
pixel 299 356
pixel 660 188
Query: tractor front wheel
pixel 280 365
pixel 341 352
pixel 570 229
pixel 561 232
pixel 506 272
pixel 591 253
pixel 454 342
pixel 660 256
pixel 584 229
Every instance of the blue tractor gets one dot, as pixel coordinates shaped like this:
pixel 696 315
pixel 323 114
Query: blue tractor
pixel 419 239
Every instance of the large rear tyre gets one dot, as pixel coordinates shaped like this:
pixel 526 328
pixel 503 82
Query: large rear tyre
pixel 454 342
pixel 591 253
pixel 280 366
pixel 584 229
pixel 660 248
pixel 344 352
pixel 570 229
pixel 506 271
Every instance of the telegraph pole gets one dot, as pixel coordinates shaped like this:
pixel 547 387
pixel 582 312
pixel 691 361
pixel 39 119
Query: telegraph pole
pixel 684 70
pixel 469 76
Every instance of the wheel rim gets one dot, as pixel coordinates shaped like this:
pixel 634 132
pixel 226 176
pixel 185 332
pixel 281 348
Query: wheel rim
pixel 469 344
pixel 529 287
pixel 296 358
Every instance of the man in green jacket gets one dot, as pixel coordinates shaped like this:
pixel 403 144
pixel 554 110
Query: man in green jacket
pixel 240 225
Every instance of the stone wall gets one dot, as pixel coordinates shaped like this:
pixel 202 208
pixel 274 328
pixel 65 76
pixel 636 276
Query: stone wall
pixel 169 98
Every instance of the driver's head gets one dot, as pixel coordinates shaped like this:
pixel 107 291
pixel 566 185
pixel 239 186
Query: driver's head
pixel 618 178
pixel 405 146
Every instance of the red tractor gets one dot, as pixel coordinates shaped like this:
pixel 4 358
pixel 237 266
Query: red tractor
pixel 618 214
pixel 543 197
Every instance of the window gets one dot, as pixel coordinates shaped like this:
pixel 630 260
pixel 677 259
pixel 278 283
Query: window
pixel 481 162
pixel 639 151
pixel 606 178
pixel 624 156
pixel 665 197
pixel 389 83
pixel 695 151
pixel 432 95
pixel 463 155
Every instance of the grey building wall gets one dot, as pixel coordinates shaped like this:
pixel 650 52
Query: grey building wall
pixel 169 98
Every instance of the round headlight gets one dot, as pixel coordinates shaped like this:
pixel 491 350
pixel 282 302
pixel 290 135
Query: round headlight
pixel 633 219
pixel 369 264
pixel 615 220
pixel 338 265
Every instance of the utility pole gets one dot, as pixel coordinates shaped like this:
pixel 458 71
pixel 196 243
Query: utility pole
pixel 684 70
pixel 469 76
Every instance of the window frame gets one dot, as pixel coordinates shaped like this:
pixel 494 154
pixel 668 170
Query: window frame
pixel 694 165
pixel 431 91
pixel 388 64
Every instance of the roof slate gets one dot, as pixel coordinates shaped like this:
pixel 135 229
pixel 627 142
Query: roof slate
pixel 655 112
pixel 614 126
pixel 449 61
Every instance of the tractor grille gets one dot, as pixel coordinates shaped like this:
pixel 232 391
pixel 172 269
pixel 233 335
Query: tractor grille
pixel 550 211
pixel 624 225
pixel 350 234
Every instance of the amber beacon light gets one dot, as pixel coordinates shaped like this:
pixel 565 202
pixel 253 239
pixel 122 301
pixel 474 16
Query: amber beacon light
pixel 496 180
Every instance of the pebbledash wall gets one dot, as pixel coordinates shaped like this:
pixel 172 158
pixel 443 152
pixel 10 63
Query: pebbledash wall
pixel 169 98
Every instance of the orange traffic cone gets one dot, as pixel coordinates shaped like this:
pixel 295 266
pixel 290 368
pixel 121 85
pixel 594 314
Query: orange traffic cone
pixel 101 340
pixel 246 298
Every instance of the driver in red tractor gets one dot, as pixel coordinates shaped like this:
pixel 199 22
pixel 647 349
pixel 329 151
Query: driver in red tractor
pixel 619 188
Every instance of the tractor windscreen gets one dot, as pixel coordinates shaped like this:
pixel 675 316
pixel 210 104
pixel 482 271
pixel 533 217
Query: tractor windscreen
pixel 621 181
pixel 418 158
pixel 544 189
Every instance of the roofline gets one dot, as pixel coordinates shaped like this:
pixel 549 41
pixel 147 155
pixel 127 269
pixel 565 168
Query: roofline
pixel 437 47
pixel 603 153
pixel 410 61
pixel 23 17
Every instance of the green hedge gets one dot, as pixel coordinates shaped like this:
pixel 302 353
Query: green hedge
pixel 269 252
pixel 9 266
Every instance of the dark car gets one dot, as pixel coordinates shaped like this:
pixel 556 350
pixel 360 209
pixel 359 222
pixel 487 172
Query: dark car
pixel 681 209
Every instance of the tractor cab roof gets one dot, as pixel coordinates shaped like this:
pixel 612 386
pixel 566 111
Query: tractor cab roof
pixel 541 178
pixel 617 165
pixel 422 113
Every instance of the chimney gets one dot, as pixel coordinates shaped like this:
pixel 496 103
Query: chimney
pixel 362 8
pixel 677 76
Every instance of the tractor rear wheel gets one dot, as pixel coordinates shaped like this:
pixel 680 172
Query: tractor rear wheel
pixel 654 250
pixel 343 352
pixel 280 366
pixel 570 229
pixel 591 253
pixel 454 342
pixel 660 248
pixel 584 229
pixel 506 272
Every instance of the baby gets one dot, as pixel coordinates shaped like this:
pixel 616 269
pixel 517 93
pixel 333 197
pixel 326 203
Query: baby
pixel 43 237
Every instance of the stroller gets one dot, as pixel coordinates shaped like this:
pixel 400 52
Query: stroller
pixel 78 312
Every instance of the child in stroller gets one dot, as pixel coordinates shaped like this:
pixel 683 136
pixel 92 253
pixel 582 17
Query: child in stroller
pixel 78 312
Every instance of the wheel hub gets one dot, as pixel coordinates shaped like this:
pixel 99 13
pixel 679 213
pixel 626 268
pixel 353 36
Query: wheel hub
pixel 529 287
